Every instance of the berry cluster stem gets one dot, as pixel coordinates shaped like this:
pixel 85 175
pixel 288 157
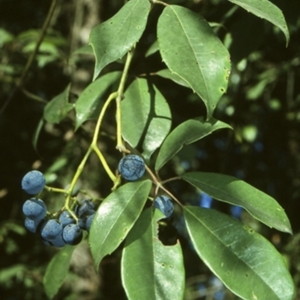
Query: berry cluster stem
pixel 120 145
pixel 159 184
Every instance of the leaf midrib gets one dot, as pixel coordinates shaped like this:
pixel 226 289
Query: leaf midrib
pixel 234 253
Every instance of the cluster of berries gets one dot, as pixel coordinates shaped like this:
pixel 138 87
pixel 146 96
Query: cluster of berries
pixel 60 231
pixel 65 229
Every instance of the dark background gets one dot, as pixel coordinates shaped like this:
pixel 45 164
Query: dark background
pixel 261 104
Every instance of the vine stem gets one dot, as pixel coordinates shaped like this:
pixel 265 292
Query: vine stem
pixel 74 180
pixel 94 146
pixel 56 190
pixel 111 97
pixel 120 145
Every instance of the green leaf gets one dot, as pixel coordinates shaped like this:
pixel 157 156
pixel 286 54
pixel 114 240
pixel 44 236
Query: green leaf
pixel 57 271
pixel 265 10
pixel 58 108
pixel 192 51
pixel 152 49
pixel 146 116
pixel 247 263
pixel 91 100
pixel 166 73
pixel 115 217
pixel 237 192
pixel 112 39
pixel 184 134
pixel 151 270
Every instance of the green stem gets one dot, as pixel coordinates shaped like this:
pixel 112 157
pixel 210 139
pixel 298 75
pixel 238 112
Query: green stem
pixel 111 97
pixel 104 163
pixel 56 190
pixel 94 146
pixel 74 180
pixel 120 145
pixel 159 185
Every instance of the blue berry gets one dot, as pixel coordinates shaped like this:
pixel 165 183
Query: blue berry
pixel 34 209
pixel 205 200
pixel 72 234
pixel 85 209
pixel 58 241
pixel 31 224
pixel 236 211
pixel 131 167
pixel 89 221
pixel 82 223
pixel 65 218
pixel 33 182
pixel 164 204
pixel 51 230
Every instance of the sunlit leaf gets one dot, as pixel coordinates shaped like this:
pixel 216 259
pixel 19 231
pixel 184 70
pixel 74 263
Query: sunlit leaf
pixel 247 263
pixel 115 217
pixel 237 192
pixel 146 116
pixel 151 270
pixel 192 51
pixel 112 39
pixel 184 134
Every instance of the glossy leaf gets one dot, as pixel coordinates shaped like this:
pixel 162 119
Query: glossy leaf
pixel 237 192
pixel 115 217
pixel 146 116
pixel 91 100
pixel 112 39
pixel 265 10
pixel 151 270
pixel 184 134
pixel 57 271
pixel 192 51
pixel 58 108
pixel 247 263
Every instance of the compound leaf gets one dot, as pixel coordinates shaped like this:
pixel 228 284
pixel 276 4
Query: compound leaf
pixel 57 271
pixel 192 51
pixel 58 108
pixel 146 116
pixel 151 270
pixel 112 39
pixel 184 134
pixel 91 99
pixel 115 217
pixel 265 10
pixel 247 263
pixel 237 192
